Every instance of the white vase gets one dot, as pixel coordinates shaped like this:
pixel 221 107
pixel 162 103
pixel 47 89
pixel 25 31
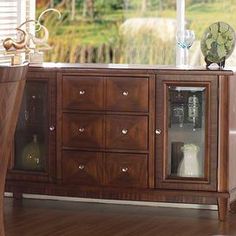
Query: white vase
pixel 189 166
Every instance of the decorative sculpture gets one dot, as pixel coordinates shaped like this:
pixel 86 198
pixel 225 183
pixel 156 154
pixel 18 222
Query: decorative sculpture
pixel 29 43
pixel 218 43
pixel 40 44
pixel 15 48
pixel 10 43
pixel 42 41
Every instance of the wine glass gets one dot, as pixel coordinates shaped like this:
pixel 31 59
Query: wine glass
pixel 185 40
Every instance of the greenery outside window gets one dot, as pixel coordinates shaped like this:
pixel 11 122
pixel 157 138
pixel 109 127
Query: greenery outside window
pixel 130 31
pixel 114 31
pixel 117 31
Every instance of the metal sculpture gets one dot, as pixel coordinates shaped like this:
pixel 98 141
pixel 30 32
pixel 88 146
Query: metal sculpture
pixel 29 43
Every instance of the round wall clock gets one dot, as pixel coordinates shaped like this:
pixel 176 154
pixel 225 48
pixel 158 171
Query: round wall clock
pixel 218 43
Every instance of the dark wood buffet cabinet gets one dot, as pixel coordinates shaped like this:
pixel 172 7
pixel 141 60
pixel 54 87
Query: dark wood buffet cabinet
pixel 127 132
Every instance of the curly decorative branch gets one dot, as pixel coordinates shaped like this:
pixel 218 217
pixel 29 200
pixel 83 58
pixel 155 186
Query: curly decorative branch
pixel 41 41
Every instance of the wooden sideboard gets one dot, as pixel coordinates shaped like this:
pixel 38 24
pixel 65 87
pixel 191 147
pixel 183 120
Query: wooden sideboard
pixel 127 132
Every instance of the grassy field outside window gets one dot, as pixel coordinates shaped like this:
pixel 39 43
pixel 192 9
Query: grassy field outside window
pixel 127 31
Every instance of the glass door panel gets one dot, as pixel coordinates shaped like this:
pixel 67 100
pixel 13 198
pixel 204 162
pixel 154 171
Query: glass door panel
pixel 31 142
pixel 186 131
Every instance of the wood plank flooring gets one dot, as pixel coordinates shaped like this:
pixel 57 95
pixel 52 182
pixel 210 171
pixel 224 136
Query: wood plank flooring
pixel 58 218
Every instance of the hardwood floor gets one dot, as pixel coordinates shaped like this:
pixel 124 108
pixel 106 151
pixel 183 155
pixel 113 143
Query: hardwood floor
pixel 53 218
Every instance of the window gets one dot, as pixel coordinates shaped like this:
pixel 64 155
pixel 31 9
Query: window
pixel 12 14
pixel 118 31
pixel 114 31
pixel 130 31
pixel 202 13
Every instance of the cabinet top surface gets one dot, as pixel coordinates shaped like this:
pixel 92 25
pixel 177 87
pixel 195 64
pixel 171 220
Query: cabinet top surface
pixel 123 67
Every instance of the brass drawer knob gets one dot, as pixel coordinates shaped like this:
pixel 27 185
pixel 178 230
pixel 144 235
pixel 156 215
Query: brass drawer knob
pixel 81 167
pixel 81 130
pixel 82 92
pixel 125 93
pixel 124 131
pixel 51 127
pixel 124 169
pixel 158 131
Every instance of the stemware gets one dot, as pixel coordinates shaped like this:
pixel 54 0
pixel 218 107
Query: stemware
pixel 185 40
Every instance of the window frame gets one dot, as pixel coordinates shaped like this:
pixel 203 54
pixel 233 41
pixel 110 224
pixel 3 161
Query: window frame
pixel 180 19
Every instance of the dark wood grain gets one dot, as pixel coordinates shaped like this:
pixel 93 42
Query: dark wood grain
pixel 59 122
pixel 82 92
pixel 127 132
pixel 222 208
pixel 83 130
pixel 83 168
pixel 134 194
pixel 151 128
pixel 223 134
pixel 223 148
pixel 232 141
pixel 12 82
pixel 60 218
pixel 127 94
pixel 126 170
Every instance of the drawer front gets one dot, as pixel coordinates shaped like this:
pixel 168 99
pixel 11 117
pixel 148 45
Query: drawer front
pixel 83 168
pixel 84 93
pixel 127 132
pixel 126 170
pixel 127 94
pixel 83 130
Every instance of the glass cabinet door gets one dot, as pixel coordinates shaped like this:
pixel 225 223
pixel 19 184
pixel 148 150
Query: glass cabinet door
pixel 186 123
pixel 34 148
pixel 186 131
pixel 31 142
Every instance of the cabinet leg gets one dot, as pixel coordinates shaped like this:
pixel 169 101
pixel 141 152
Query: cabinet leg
pixel 222 208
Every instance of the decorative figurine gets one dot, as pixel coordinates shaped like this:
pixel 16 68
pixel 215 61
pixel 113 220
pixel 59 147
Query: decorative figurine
pixel 11 44
pixel 41 44
pixel 218 43
pixel 15 48
pixel 29 43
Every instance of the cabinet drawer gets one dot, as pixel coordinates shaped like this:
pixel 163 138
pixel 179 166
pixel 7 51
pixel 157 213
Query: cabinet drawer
pixel 83 168
pixel 127 132
pixel 127 94
pixel 83 130
pixel 126 170
pixel 84 93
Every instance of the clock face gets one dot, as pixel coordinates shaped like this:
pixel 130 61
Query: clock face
pixel 218 42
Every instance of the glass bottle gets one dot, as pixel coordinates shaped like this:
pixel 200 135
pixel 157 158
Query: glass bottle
pixel 193 110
